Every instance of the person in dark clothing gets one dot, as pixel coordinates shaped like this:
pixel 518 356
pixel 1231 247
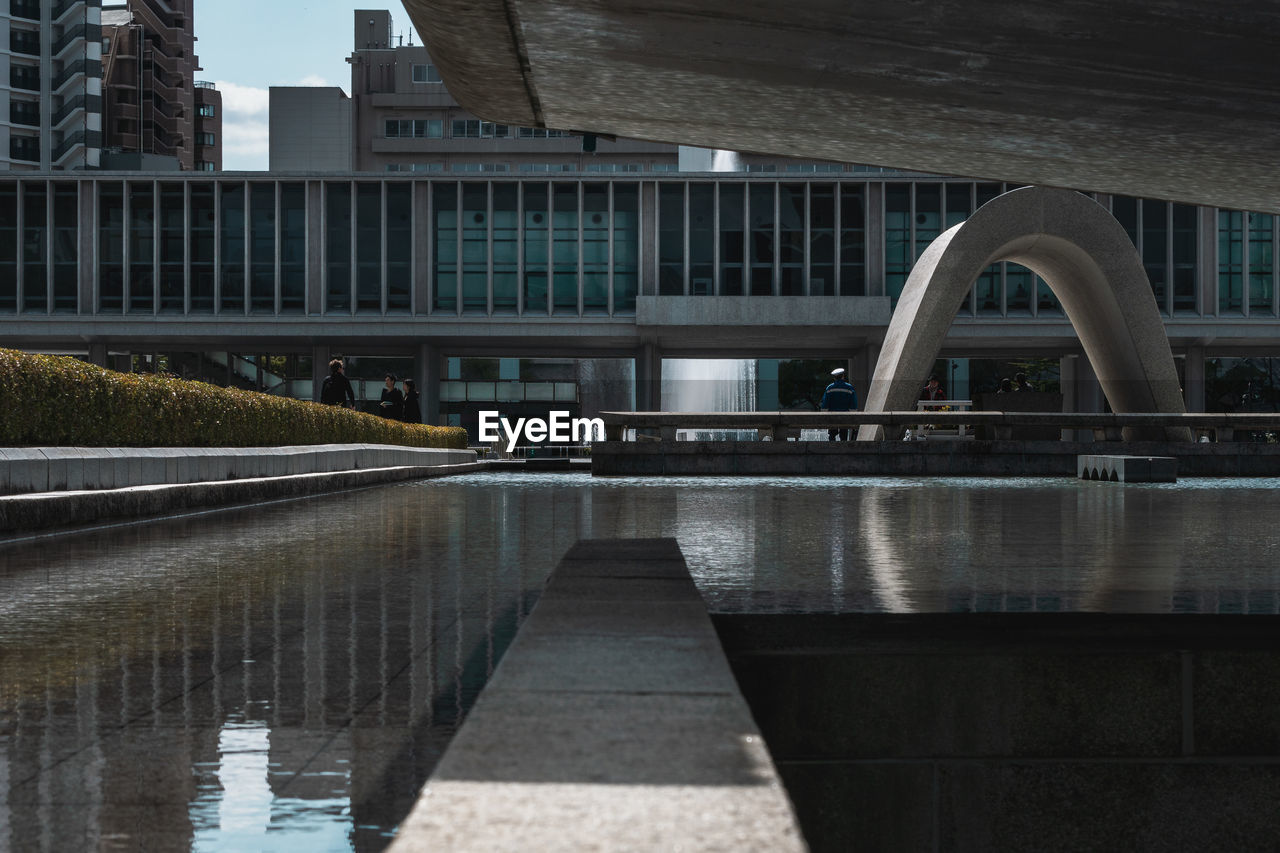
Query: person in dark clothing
pixel 336 390
pixel 412 414
pixel 933 390
pixel 392 403
pixel 1020 383
pixel 839 397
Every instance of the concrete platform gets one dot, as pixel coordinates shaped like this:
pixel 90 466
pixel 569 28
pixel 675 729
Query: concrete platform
pixel 54 469
pixel 1127 469
pixel 43 511
pixel 612 723
pixel 978 458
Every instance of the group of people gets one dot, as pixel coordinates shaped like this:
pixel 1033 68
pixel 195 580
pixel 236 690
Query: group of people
pixel 1019 383
pixel 394 404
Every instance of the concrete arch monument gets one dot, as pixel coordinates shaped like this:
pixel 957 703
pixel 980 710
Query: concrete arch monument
pixel 1089 262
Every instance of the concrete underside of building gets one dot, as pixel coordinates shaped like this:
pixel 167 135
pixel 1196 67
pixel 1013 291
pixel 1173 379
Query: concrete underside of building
pixel 1161 99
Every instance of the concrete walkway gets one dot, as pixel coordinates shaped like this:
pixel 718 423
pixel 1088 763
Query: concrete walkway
pixel 612 723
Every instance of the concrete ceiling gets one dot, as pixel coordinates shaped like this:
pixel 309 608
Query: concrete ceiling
pixel 1156 98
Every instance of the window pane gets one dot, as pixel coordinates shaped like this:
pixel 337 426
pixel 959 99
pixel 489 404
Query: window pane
pixel 732 243
pixel 369 248
pixel 233 248
pixel 337 245
pixel 141 248
pixel 293 248
pixel 536 221
pixel 671 239
pixel 399 247
pixel 761 198
pixel 203 234
pixel 262 248
pixel 445 281
pixel 565 248
pixel 626 237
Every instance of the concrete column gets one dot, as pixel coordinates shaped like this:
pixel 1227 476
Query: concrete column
pixel 861 368
pixel 98 354
pixel 1081 392
pixel 428 368
pixel 1193 387
pixel 648 379
pixel 319 370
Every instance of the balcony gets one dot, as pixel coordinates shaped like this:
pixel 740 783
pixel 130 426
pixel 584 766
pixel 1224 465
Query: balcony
pixel 86 138
pixel 29 9
pixel 87 67
pixel 24 113
pixel 24 77
pixel 93 103
pixel 24 42
pixel 87 32
pixel 24 148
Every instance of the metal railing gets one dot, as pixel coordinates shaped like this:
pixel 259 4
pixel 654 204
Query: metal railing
pixel 1106 426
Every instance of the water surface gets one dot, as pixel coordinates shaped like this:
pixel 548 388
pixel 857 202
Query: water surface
pixel 284 677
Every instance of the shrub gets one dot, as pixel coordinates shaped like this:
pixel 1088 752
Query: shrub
pixel 52 401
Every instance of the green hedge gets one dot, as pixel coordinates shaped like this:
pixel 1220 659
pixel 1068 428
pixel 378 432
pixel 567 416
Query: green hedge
pixel 52 401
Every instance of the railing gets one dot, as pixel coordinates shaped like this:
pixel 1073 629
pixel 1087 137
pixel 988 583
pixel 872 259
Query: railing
pixel 1105 426
pixel 205 84
pixel 80 137
pixel 88 67
pixel 69 107
pixel 89 32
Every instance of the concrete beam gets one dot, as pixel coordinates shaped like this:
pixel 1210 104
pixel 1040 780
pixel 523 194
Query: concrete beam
pixel 613 722
pixel 1153 98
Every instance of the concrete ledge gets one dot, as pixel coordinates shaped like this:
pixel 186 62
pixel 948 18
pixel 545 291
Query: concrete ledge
pixel 51 469
pixel 1128 469
pixel 612 723
pixel 976 458
pixel 30 512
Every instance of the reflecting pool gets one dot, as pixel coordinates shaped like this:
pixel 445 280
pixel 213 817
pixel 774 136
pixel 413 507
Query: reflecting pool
pixel 285 676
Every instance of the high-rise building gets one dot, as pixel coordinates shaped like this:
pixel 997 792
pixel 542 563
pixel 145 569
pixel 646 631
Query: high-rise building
pixel 149 66
pixel 208 127
pixel 402 119
pixel 50 85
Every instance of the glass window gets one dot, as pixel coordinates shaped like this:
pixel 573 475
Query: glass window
pixel 293 248
pixel 1019 283
pixel 1155 246
pixel 671 239
pixel 791 212
pixel 203 234
pixel 702 239
pixel 399 247
pixel 595 248
pixel 475 248
pixel 233 248
pixel 206 111
pixel 35 249
pixel 928 216
pixel 897 238
pixel 626 238
pixel 426 74
pixel 536 221
pixel 445 281
pixel 369 248
pixel 142 242
pixel 822 240
pixel 337 246
pixel 506 247
pixel 760 206
pixel 565 249
pixel 1261 274
pixel 66 233
pixel 853 239
pixel 1230 262
pixel 172 236
pixel 1185 243
pixel 732 244
pixel 262 248
pixel 110 248
pixel 9 248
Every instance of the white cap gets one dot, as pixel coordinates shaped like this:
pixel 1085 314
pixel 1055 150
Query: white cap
pixel 838 371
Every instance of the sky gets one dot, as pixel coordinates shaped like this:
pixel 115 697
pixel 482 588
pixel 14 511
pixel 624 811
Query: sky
pixel 247 46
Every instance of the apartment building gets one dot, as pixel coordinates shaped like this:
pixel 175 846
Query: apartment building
pixel 403 119
pixel 149 66
pixel 50 84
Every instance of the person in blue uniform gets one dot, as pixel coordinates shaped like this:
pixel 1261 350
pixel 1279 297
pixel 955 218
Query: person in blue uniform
pixel 839 397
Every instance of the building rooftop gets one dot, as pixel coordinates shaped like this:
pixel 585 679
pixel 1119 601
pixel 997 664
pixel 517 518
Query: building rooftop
pixel 117 17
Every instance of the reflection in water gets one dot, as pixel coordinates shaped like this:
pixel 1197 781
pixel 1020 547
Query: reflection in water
pixel 285 676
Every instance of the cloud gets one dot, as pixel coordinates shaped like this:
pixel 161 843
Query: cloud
pixel 243 100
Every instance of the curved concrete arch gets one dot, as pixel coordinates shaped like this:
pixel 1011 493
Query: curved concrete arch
pixel 1089 262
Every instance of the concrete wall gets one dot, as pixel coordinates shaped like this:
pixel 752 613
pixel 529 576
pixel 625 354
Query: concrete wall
pixel 1019 732
pixel 310 129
